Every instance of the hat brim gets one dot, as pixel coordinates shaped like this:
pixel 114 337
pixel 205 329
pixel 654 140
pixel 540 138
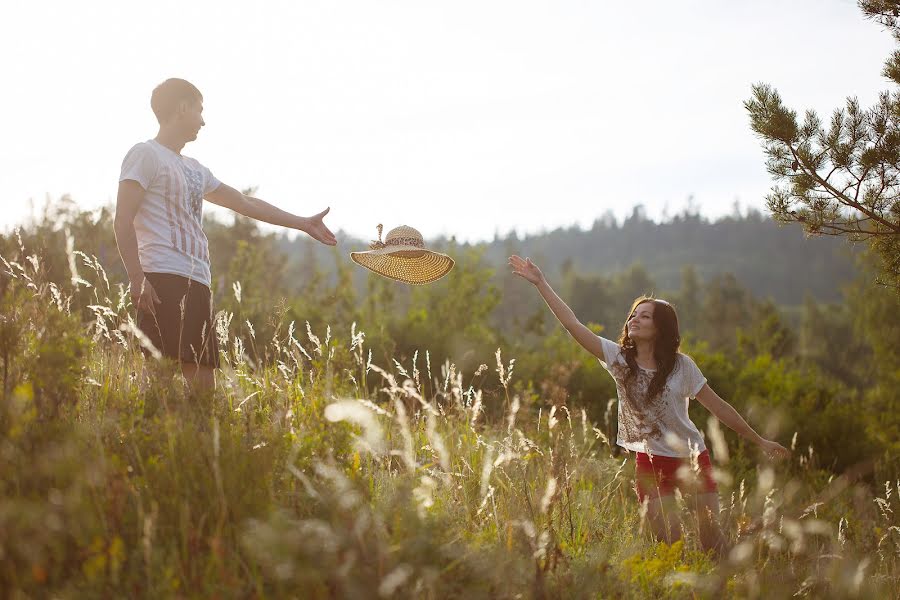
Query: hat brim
pixel 414 265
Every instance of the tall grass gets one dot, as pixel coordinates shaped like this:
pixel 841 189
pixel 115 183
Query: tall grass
pixel 319 474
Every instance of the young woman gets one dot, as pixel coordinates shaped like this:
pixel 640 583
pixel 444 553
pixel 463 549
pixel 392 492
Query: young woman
pixel 654 383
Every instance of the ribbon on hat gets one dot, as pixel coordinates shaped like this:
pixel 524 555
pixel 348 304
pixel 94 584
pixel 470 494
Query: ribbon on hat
pixel 377 245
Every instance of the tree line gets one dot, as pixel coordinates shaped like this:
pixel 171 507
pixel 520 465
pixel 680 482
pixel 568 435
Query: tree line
pixel 822 368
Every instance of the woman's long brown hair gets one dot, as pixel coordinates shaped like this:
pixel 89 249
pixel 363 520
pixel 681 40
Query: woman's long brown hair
pixel 665 347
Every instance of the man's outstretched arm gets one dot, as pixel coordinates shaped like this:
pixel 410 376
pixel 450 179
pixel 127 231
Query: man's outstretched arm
pixel 314 226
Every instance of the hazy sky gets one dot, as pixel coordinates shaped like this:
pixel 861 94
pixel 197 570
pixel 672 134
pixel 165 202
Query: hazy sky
pixel 459 118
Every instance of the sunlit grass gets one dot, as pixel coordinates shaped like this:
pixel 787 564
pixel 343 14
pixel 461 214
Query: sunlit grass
pixel 317 473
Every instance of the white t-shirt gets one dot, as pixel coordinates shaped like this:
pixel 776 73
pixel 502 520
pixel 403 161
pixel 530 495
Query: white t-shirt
pixel 661 425
pixel 168 223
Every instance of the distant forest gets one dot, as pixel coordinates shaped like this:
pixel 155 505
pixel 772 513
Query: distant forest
pixel 771 260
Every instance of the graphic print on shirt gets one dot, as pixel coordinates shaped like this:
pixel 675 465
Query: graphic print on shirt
pixel 184 210
pixel 194 199
pixel 639 418
pixel 170 216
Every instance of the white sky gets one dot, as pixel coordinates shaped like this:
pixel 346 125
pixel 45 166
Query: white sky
pixel 459 118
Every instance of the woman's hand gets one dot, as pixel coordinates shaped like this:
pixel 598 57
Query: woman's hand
pixel 523 267
pixel 774 450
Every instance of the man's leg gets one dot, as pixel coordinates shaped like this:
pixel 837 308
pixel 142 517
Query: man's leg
pixel 200 377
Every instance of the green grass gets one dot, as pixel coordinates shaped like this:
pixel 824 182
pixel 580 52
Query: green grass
pixel 320 475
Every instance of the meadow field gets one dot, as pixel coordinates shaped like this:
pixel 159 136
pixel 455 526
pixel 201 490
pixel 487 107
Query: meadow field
pixel 314 471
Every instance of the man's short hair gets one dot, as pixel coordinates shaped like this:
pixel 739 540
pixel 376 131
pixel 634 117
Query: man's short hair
pixel 169 94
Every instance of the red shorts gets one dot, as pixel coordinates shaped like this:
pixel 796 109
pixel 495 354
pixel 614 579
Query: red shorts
pixel 660 475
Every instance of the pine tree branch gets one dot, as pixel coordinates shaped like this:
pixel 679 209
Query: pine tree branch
pixel 842 197
pixel 859 184
pixel 847 187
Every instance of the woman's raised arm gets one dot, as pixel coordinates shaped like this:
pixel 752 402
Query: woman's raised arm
pixel 524 268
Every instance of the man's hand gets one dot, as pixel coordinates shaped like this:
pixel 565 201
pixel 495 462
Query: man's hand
pixel 227 196
pixel 144 297
pixel 523 267
pixel 316 228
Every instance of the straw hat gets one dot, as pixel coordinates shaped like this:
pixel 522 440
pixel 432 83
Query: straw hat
pixel 402 256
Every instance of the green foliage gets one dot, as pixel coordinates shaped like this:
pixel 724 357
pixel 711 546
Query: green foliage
pixel 726 307
pixel 604 300
pixel 116 481
pixel 452 314
pixel 771 260
pixel 12 329
pixel 768 334
pixel 840 178
pixel 876 318
pixel 41 344
pixel 665 570
pixel 274 487
pixel 54 354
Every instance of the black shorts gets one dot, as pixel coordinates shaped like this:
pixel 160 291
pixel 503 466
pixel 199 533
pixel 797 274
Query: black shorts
pixel 191 339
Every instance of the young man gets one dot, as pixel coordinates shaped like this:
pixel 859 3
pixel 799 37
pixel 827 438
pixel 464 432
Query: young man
pixel 159 234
